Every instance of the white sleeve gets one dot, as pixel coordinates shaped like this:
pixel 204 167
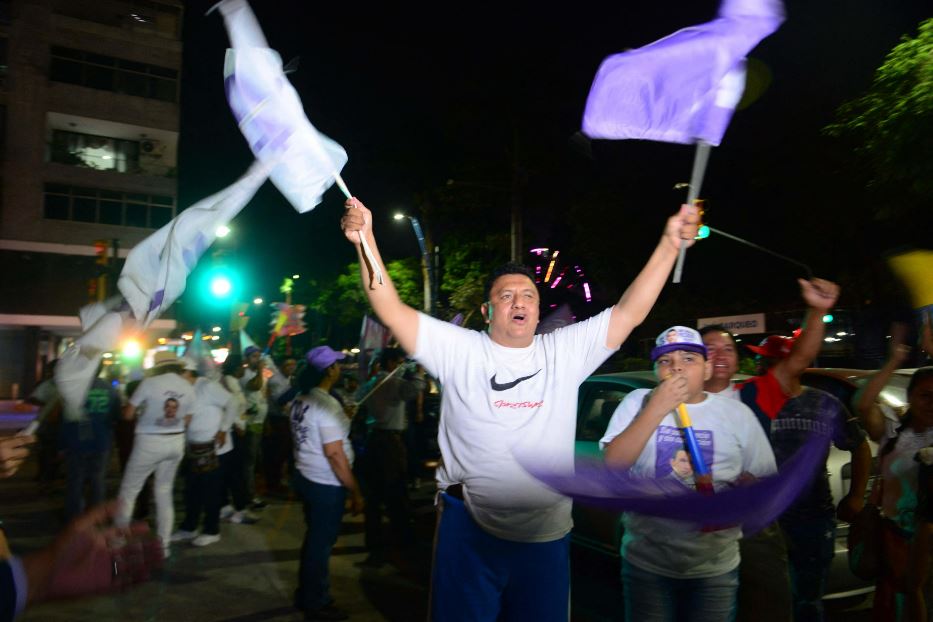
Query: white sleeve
pixel 582 346
pixel 441 345
pixel 623 416
pixel 331 428
pixel 142 392
pixel 757 455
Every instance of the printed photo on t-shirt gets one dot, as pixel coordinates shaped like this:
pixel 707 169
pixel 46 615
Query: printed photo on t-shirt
pixel 672 458
pixel 169 413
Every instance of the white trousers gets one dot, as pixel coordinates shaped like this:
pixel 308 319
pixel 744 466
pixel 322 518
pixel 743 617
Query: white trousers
pixel 159 453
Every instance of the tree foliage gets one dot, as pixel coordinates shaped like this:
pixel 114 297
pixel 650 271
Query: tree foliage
pixel 344 302
pixel 466 266
pixel 890 125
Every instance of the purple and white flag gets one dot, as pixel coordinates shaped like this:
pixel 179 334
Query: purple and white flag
pixel 304 163
pixel 682 88
pixel 156 269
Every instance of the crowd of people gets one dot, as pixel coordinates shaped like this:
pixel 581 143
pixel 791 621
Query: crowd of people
pixel 502 544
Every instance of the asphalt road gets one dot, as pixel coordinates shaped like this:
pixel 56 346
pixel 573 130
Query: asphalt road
pixel 250 574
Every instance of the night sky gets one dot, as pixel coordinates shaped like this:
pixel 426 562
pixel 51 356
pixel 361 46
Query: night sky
pixel 420 95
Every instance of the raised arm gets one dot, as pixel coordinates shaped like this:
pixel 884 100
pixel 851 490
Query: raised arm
pixel 624 449
pixel 866 398
pixel 636 302
pixel 820 296
pixel 852 503
pixel 401 319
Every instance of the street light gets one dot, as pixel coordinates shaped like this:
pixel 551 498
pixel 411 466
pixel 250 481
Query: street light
pixel 296 276
pixel 257 300
pixel 427 271
pixel 223 231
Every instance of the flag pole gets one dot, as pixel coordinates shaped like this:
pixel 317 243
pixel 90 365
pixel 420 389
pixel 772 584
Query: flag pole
pixel 700 158
pixel 377 271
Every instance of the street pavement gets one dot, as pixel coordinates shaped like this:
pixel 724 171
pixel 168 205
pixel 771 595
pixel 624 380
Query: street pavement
pixel 250 575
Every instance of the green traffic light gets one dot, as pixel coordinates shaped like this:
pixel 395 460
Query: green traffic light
pixel 828 318
pixel 702 232
pixel 221 286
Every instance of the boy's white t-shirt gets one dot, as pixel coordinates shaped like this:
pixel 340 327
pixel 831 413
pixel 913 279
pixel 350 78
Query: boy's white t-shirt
pixel 499 403
pixel 732 441
pixel 318 418
pixel 166 400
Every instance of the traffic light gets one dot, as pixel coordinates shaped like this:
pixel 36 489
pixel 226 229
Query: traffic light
pixel 100 252
pixel 828 318
pixel 221 284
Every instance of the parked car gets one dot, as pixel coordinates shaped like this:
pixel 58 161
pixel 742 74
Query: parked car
pixel 601 530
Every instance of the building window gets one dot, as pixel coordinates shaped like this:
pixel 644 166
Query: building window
pixel 113 74
pixel 98 152
pixel 107 207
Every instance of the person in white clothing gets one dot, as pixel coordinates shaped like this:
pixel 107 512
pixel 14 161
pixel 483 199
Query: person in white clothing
pixel 166 401
pixel 235 498
pixel 256 391
pixel 207 438
pixel 672 570
pixel 323 477
pixel 502 549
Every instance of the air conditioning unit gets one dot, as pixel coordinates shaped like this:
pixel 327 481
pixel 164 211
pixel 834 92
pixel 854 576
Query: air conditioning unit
pixel 150 147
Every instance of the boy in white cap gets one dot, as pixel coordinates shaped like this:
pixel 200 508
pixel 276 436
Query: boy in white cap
pixel 671 569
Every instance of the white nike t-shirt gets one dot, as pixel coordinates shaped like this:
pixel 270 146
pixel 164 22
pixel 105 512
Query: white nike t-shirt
pixel 499 402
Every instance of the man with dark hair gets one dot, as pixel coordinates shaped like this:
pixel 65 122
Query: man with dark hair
pixel 86 443
pixel 276 443
pixel 384 468
pixel 789 413
pixel 503 270
pixel 256 391
pixel 502 545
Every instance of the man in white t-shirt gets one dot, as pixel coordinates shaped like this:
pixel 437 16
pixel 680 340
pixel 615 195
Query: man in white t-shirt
pixel 502 543
pixel 672 570
pixel 166 401
pixel 207 439
pixel 256 391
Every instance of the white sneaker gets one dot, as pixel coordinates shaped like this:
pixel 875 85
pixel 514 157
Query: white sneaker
pixel 243 518
pixel 226 512
pixel 183 536
pixel 205 539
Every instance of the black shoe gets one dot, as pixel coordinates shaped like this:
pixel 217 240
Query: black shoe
pixel 328 612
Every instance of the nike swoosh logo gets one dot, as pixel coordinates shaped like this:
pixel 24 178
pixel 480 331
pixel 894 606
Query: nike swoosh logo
pixel 508 385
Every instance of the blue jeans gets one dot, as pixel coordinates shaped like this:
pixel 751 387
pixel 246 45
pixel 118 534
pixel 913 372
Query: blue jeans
pixel 478 577
pixel 810 550
pixel 81 467
pixel 323 507
pixel 651 597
